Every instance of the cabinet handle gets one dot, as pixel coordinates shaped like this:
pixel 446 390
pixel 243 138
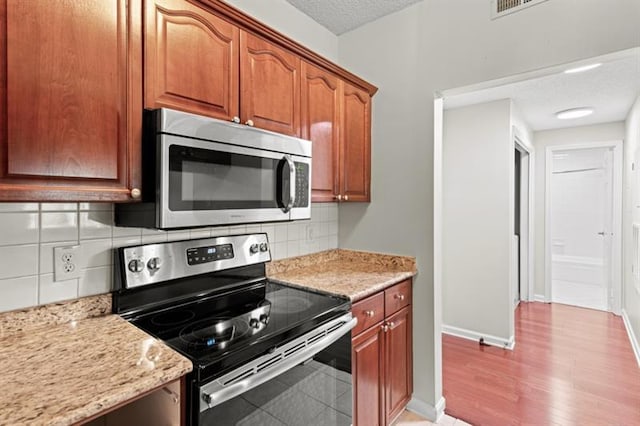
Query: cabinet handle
pixel 385 327
pixel 136 193
pixel 346 198
pixel 369 313
pixel 174 396
pixel 338 197
pixel 392 324
pixel 249 123
pixel 236 119
pixel 400 297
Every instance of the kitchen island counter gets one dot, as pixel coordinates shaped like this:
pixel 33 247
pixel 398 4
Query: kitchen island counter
pixel 350 273
pixel 62 367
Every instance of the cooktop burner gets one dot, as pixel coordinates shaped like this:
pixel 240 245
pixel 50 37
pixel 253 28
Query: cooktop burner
pixel 173 317
pixel 217 333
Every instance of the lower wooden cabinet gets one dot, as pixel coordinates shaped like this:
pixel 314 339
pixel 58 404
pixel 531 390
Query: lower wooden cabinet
pixel 368 371
pixel 164 406
pixel 382 356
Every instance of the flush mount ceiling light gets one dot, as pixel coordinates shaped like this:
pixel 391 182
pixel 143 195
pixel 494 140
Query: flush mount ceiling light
pixel 582 68
pixel 568 114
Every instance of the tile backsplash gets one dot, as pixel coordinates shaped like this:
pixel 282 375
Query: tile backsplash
pixel 30 231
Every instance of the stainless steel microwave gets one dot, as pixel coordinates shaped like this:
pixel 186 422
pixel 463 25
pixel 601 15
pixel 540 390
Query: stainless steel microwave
pixel 199 171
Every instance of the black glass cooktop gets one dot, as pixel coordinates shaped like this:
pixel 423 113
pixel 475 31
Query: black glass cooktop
pixel 224 330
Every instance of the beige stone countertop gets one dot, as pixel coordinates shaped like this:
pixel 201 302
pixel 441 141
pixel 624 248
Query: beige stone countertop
pixel 63 372
pixel 355 274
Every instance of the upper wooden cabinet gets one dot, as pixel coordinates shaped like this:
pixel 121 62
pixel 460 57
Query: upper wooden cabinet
pixel 355 175
pixel 191 59
pixel 70 99
pixel 336 117
pixel 321 100
pixel 270 86
pixel 197 62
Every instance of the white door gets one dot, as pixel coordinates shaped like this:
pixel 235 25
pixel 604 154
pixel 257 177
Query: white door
pixel 581 215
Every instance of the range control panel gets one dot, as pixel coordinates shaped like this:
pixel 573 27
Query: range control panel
pixel 206 254
pixel 156 263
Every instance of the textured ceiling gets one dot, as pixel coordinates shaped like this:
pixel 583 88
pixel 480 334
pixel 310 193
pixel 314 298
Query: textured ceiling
pixel 340 16
pixel 611 89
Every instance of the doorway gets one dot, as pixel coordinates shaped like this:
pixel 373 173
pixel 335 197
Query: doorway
pixel 522 233
pixel 583 211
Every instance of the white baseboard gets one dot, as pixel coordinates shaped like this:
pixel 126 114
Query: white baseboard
pixel 632 337
pixel 428 411
pixel 539 298
pixel 488 339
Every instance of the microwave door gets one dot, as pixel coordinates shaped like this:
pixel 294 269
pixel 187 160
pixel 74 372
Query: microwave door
pixel 209 183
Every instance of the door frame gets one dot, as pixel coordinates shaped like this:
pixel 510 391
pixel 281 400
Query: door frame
pixel 527 216
pixel 614 298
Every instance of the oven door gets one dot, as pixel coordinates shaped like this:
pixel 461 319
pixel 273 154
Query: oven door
pixel 295 385
pixel 209 183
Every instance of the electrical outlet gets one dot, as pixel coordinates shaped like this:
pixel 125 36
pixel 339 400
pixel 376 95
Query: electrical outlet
pixel 309 233
pixel 67 263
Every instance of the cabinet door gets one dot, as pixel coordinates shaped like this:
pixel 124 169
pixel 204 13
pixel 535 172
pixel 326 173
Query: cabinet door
pixel 191 60
pixel 270 86
pixel 398 362
pixel 368 374
pixel 71 106
pixel 356 145
pixel 320 99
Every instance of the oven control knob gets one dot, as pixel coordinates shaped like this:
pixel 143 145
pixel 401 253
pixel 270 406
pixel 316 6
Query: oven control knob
pixel 264 247
pixel 254 248
pixel 264 318
pixel 254 323
pixel 154 264
pixel 136 265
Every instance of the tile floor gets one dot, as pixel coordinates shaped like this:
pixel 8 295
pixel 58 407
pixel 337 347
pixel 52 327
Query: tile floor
pixel 407 418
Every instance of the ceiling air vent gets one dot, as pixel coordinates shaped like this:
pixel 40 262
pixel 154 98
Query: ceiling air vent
pixel 504 7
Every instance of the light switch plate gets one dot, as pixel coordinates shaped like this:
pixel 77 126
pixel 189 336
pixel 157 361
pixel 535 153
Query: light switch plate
pixel 67 263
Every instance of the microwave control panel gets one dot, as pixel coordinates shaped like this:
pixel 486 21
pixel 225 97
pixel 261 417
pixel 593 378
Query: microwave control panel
pixel 198 255
pixel 302 185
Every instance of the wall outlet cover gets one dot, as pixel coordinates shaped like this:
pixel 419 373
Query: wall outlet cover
pixel 68 263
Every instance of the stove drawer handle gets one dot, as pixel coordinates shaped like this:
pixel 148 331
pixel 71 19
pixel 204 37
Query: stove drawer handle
pixel 214 393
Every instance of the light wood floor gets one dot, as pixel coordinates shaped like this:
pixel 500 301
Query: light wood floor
pixel 407 418
pixel 570 366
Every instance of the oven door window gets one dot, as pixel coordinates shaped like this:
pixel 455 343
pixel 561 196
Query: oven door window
pixel 317 392
pixel 202 179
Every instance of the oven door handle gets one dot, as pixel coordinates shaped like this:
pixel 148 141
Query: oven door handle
pixel 217 391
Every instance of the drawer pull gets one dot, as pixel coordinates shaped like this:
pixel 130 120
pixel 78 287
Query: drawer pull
pixel 399 296
pixel 369 313
pixel 174 396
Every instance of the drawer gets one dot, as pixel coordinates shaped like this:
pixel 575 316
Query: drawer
pixel 397 297
pixel 369 311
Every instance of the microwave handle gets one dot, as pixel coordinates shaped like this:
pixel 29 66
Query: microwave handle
pixel 292 183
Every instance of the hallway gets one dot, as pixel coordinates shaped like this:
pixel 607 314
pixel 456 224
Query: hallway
pixel 570 366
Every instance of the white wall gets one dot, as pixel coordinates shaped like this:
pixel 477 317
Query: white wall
pixel 478 220
pixel 558 137
pixel 428 47
pixel 631 209
pixel 283 17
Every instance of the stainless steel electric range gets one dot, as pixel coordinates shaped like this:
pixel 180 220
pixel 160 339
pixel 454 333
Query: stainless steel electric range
pixel 264 353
